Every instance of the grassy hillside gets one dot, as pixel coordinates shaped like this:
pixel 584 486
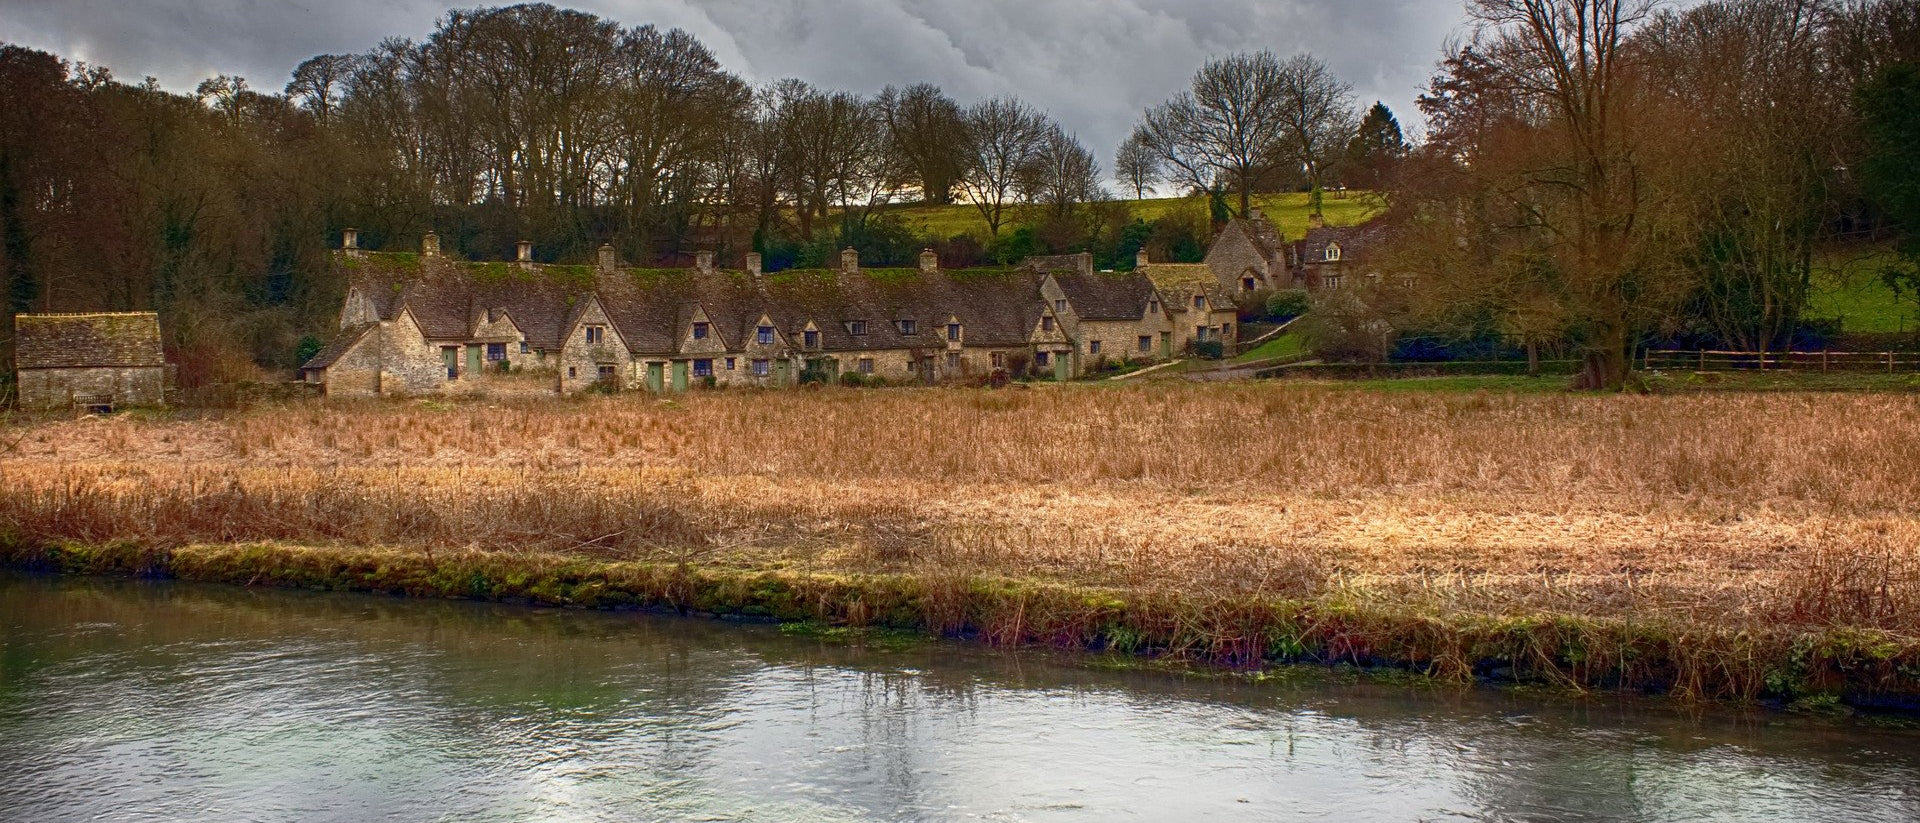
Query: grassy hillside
pixel 1289 211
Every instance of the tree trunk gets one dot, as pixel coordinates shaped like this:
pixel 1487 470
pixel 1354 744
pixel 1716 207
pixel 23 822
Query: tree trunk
pixel 1604 366
pixel 1533 358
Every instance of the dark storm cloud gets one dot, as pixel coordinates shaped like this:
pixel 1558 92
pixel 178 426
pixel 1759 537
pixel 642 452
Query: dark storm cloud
pixel 1093 64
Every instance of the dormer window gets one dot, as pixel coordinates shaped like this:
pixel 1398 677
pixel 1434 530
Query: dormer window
pixel 810 339
pixel 856 327
pixel 595 334
pixel 1333 252
pixel 1153 304
pixel 1046 324
pixel 700 331
pixel 905 326
pixel 1199 302
pixel 1060 306
pixel 1246 284
pixel 763 335
pixel 953 332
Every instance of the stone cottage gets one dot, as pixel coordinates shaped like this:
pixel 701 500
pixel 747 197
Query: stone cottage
pixel 100 359
pixel 1199 307
pixel 1249 255
pixel 426 324
pixel 1330 257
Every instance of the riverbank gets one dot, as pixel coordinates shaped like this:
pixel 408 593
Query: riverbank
pixel 1726 547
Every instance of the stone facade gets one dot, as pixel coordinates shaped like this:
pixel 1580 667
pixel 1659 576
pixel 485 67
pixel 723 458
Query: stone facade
pixel 89 359
pixel 1248 255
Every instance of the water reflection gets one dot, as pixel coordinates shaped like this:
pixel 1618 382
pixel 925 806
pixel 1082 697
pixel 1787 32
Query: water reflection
pixel 133 701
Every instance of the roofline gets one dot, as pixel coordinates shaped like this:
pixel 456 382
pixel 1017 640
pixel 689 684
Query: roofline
pixel 75 314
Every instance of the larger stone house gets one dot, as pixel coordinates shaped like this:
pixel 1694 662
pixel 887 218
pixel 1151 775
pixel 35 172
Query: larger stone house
pixel 416 324
pixel 98 359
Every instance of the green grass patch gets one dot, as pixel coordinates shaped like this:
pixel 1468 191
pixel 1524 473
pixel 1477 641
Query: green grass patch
pixel 1288 211
pixel 1847 285
pixel 1285 344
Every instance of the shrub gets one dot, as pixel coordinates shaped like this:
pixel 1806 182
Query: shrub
pixel 1208 349
pixel 1287 303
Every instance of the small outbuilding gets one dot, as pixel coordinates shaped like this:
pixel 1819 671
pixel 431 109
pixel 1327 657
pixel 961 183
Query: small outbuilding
pixel 101 359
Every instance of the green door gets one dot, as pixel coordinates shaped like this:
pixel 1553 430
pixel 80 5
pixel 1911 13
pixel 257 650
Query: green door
pixel 679 375
pixel 1062 366
pixel 450 357
pixel 473 359
pixel 656 377
pixel 780 372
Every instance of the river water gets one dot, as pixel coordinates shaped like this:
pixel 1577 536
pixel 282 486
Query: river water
pixel 124 700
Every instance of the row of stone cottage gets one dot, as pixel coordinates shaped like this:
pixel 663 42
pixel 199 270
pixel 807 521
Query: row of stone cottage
pixel 417 324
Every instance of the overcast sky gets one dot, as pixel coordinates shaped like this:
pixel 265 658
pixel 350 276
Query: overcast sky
pixel 1093 64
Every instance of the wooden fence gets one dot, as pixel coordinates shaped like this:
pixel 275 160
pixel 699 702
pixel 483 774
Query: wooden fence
pixel 1711 360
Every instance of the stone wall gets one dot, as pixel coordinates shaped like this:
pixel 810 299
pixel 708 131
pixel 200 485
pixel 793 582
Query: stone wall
pixel 59 388
pixel 409 363
pixel 1120 339
pixel 579 361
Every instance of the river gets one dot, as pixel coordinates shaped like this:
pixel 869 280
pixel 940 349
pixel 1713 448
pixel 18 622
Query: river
pixel 137 701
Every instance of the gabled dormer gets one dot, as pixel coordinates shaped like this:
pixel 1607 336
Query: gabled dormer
pixel 764 335
pixel 699 334
pixel 954 332
pixel 810 337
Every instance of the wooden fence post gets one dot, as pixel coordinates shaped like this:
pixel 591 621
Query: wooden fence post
pixel 1823 359
pixel 1889 362
pixel 1703 359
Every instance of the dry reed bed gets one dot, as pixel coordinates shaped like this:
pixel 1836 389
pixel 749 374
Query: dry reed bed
pixel 1737 513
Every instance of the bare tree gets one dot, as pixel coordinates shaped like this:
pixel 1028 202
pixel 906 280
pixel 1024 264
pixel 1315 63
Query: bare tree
pixel 1137 166
pixel 1004 136
pixel 926 138
pixel 1229 128
pixel 1062 175
pixel 319 81
pixel 1316 119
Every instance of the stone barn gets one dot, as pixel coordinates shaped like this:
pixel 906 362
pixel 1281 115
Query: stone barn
pixel 102 359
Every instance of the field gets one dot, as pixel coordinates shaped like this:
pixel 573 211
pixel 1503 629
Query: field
pixel 1847 285
pixel 1695 542
pixel 1288 211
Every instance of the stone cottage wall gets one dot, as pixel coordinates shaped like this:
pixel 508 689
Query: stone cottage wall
pixel 58 388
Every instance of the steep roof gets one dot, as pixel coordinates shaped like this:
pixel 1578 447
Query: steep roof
pixel 338 346
pixel 99 340
pixel 1106 295
pixel 1180 280
pixel 1082 262
pixel 1354 241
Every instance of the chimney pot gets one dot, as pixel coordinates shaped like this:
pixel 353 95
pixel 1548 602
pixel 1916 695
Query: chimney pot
pixel 430 245
pixel 753 263
pixel 703 261
pixel 850 260
pixel 350 239
pixel 1085 262
pixel 523 251
pixel 929 261
pixel 1140 259
pixel 606 257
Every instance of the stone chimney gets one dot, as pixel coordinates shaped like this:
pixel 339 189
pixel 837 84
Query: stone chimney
pixel 849 261
pixel 523 252
pixel 1256 214
pixel 703 261
pixel 430 245
pixel 929 261
pixel 350 239
pixel 1140 260
pixel 606 257
pixel 1084 262
pixel 753 264
pixel 1315 221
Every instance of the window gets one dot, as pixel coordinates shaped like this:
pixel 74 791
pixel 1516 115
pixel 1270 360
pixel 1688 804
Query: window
pixel 1333 252
pixel 905 326
pixel 763 335
pixel 606 372
pixel 1040 358
pixel 1199 302
pixel 1333 281
pixel 572 372
pixel 953 332
pixel 729 364
pixel 1226 329
pixel 595 334
pixel 865 365
pixel 703 368
pixel 1060 306
pixel 523 347
pixel 1046 324
pixel 953 360
pixel 1246 284
pixel 496 352
pixel 1199 332
pixel 810 339
pixel 913 366
pixel 699 331
pixel 1153 305
pixel 856 327
pixel 999 360
pixel 762 368
pixel 1093 347
pixel 1146 342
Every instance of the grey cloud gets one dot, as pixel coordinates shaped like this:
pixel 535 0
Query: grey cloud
pixel 1093 64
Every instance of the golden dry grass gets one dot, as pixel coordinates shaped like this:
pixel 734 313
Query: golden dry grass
pixel 1723 510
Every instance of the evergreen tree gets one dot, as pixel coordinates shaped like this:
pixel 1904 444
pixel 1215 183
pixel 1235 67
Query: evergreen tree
pixel 1374 148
